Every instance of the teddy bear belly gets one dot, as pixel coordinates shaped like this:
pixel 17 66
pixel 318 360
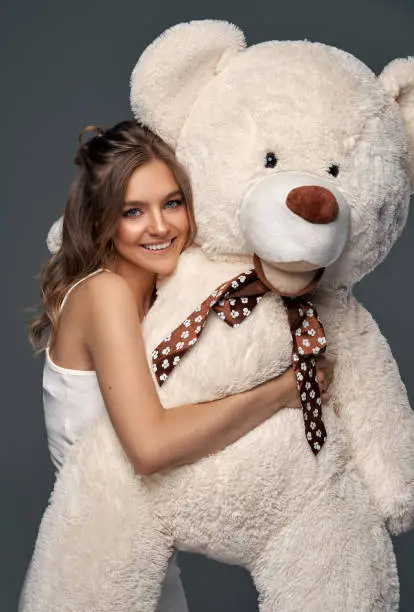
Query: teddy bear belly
pixel 221 505
pixel 228 504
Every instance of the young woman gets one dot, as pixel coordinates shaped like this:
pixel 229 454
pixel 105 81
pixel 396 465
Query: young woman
pixel 128 218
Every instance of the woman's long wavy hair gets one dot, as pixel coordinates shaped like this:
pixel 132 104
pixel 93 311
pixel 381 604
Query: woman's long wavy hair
pixel 93 210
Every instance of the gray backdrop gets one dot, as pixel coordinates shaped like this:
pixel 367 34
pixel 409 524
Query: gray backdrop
pixel 65 65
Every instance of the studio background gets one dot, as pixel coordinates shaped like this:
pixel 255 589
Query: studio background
pixel 65 65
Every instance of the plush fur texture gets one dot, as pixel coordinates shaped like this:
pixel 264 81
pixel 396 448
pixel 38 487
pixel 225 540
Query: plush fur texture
pixel 313 532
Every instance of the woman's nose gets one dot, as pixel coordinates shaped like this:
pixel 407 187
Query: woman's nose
pixel 157 224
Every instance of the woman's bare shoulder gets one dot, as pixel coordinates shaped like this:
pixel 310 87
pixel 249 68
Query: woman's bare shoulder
pixel 107 283
pixel 102 294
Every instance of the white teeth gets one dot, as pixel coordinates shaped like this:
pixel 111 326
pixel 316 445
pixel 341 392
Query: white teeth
pixel 157 247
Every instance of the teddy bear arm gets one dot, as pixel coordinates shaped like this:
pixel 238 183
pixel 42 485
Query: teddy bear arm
pixel 373 405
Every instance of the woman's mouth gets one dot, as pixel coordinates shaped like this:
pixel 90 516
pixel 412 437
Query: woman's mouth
pixel 158 247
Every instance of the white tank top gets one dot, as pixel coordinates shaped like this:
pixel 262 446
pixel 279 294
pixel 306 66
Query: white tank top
pixel 72 400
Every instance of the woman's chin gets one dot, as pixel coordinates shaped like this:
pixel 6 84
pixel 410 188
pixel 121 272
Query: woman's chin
pixel 160 264
pixel 165 270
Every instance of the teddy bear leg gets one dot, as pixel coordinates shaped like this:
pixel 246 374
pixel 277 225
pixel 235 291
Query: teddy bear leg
pixel 144 574
pixel 335 556
pixel 100 546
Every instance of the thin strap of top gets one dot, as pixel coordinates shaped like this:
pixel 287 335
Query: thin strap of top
pixel 78 283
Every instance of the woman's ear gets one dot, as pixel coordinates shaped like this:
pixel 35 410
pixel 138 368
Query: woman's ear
pixel 397 79
pixel 173 70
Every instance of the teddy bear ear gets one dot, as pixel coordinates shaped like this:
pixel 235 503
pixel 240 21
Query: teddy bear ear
pixel 174 68
pixel 397 78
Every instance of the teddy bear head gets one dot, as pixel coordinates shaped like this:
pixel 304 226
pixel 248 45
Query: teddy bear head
pixel 297 153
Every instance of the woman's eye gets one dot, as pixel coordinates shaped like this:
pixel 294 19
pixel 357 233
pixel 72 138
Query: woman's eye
pixel 173 203
pixel 132 212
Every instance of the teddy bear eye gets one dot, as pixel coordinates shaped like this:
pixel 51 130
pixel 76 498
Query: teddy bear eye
pixel 333 169
pixel 271 160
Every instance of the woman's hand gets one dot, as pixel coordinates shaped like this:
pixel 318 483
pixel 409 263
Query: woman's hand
pixel 291 399
pixel 324 368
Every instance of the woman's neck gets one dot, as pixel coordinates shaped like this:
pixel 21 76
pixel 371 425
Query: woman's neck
pixel 140 281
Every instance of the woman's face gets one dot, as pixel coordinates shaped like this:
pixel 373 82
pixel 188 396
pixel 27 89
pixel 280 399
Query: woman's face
pixel 154 226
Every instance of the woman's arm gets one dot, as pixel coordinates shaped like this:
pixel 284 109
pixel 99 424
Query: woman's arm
pixel 155 438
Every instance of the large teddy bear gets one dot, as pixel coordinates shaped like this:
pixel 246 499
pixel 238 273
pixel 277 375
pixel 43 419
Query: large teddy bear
pixel 301 158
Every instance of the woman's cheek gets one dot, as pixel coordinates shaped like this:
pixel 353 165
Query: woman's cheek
pixel 127 233
pixel 184 221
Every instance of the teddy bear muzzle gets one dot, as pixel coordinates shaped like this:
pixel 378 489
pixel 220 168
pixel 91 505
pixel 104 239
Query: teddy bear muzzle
pixel 296 224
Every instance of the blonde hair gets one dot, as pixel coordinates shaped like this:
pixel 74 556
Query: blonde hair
pixel 96 199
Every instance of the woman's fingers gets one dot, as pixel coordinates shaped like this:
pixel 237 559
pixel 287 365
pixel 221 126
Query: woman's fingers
pixel 320 374
pixel 325 397
pixel 324 375
pixel 324 369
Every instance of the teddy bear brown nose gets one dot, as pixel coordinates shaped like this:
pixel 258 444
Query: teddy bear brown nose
pixel 312 203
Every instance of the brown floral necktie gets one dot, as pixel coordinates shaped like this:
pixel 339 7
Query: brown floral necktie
pixel 233 301
pixel 308 342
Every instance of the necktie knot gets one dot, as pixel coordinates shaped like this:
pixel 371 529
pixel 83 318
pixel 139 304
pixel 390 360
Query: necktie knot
pixel 239 299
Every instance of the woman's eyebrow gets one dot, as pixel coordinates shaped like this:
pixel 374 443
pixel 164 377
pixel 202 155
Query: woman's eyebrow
pixel 173 193
pixel 166 197
pixel 134 203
